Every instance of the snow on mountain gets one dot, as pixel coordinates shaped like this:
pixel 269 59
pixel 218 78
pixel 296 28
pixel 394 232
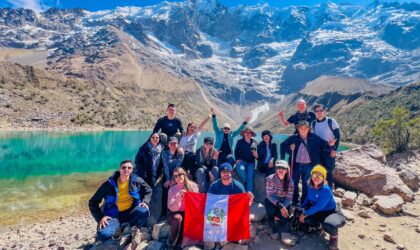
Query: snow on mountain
pixel 241 54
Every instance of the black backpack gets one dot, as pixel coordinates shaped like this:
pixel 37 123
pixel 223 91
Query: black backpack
pixel 296 225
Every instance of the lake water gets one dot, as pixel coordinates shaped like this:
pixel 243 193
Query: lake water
pixel 50 174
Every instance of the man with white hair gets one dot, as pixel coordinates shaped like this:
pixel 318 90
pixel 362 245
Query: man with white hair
pixel 224 137
pixel 302 114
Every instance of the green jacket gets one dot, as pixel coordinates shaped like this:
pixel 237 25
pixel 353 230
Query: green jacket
pixel 219 133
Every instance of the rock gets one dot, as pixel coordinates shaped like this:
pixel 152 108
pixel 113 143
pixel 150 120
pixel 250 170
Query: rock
pixel 349 199
pixel 288 239
pixel 400 247
pixel 142 246
pixel 257 212
pixel 156 204
pixel 155 245
pixel 233 246
pixel 410 178
pixel 363 200
pixel 361 236
pixel 259 193
pixel 337 200
pixel 107 245
pixel 389 238
pixel 209 245
pixel 339 192
pixel 408 166
pixel 275 236
pixel 364 214
pixel 191 248
pixel 363 169
pixel 389 204
pixel 253 231
pixel 348 215
pixel 160 230
pixel 382 229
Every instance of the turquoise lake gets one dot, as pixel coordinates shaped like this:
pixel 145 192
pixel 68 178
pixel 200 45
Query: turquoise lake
pixel 50 174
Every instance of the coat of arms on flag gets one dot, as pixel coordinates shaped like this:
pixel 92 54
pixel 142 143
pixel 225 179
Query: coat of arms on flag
pixel 216 218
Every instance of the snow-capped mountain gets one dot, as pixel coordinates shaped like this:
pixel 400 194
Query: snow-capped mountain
pixel 241 54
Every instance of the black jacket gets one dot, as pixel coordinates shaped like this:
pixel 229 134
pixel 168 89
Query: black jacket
pixel 314 146
pixel 144 164
pixel 108 191
pixel 262 153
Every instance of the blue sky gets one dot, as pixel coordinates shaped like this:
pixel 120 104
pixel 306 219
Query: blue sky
pixel 92 5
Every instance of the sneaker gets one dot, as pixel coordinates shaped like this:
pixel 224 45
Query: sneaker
pixel 135 237
pixel 125 234
pixel 117 234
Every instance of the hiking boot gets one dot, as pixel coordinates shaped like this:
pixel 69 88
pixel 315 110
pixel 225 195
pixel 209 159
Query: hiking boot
pixel 333 244
pixel 125 234
pixel 135 237
pixel 117 234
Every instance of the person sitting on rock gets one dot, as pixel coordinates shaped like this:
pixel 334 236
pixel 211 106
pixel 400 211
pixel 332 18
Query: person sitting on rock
pixel 326 128
pixel 226 185
pixel 267 153
pixel 302 114
pixel 169 124
pixel 176 205
pixel 224 137
pixel 206 164
pixel 320 209
pixel 126 197
pixel 171 158
pixel 188 143
pixel 304 149
pixel 245 155
pixel 279 190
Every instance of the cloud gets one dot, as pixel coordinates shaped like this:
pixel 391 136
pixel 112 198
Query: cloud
pixel 35 5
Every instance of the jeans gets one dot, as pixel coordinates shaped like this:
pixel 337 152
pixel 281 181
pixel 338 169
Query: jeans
pixel 245 171
pixel 329 163
pixel 176 221
pixel 330 220
pixel 136 216
pixel 301 171
pixel 279 226
pixel 203 179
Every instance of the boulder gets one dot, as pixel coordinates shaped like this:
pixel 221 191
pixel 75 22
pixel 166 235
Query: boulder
pixel 389 204
pixel 347 214
pixel 407 165
pixel 363 169
pixel 339 192
pixel 363 200
pixel 364 214
pixel 160 231
pixel 259 187
pixel 257 212
pixel 288 239
pixel 349 199
pixel 389 238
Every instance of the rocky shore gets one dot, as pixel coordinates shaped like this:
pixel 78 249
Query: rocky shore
pixel 378 196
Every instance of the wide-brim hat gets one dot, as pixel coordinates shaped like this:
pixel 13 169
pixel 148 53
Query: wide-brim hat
pixel 303 123
pixel 246 129
pixel 267 132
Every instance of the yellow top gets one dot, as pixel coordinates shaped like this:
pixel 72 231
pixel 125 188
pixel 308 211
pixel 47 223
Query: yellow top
pixel 124 199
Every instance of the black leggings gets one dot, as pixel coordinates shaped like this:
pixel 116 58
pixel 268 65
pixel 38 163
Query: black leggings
pixel 331 220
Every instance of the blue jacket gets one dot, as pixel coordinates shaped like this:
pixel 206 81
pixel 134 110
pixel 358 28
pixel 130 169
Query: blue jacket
pixel 262 153
pixel 315 145
pixel 318 200
pixel 219 133
pixel 217 187
pixel 108 191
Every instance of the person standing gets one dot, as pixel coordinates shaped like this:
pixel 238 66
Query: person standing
pixel 176 205
pixel 188 143
pixel 327 128
pixel 224 137
pixel 245 155
pixel 302 114
pixel 320 209
pixel 267 153
pixel 304 149
pixel 125 199
pixel 169 124
pixel 279 190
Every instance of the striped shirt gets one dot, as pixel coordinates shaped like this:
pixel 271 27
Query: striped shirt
pixel 275 192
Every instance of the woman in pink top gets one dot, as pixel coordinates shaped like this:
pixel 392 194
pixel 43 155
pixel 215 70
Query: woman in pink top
pixel 176 205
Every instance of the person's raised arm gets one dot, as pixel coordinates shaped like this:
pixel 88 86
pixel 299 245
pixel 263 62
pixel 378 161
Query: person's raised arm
pixel 283 122
pixel 236 132
pixel 216 127
pixel 203 123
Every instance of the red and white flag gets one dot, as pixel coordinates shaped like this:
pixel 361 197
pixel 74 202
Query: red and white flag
pixel 216 218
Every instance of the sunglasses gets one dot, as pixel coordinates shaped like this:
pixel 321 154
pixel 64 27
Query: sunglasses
pixel 126 167
pixel 178 175
pixel 173 143
pixel 226 128
pixel 208 143
pixel 319 110
pixel 317 175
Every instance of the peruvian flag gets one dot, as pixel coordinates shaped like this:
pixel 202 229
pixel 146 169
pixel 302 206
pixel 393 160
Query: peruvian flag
pixel 216 218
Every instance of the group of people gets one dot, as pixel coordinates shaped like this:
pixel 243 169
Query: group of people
pixel 170 158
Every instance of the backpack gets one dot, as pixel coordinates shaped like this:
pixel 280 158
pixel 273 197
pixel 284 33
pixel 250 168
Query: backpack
pixel 329 121
pixel 296 225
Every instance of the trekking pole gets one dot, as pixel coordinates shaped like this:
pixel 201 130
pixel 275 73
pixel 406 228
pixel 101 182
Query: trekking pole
pixel 292 164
